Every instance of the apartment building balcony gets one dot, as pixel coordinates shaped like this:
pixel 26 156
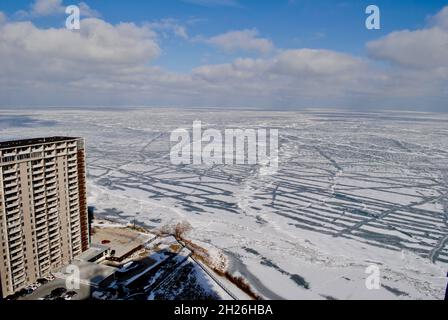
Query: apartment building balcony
pixel 76 225
pixel 17 262
pixel 76 237
pixel 24 151
pixel 73 183
pixel 74 197
pixel 16 250
pixel 49 177
pixel 50 183
pixel 74 217
pixel 12 211
pixel 44 254
pixel 41 226
pixel 38 164
pixel 54 243
pixel 72 164
pixel 50 163
pixel 19 274
pixel 39 196
pixel 9 153
pixel 53 232
pixel 76 251
pixel 40 202
pixel 50 155
pixel 38 210
pixel 76 246
pixel 23 157
pixel 13 223
pixel 52 217
pixel 52 204
pixel 37 171
pixel 38 188
pixel 39 148
pixel 52 210
pixel 10 170
pixel 18 270
pixel 19 281
pixel 14 230
pixel 42 236
pixel 55 256
pixel 39 185
pixel 49 146
pixel 42 247
pixel 73 175
pixel 9 177
pixel 73 203
pixel 14 219
pixel 50 173
pixel 41 218
pixel 45 266
pixel 11 190
pixel 38 177
pixel 13 235
pixel 10 185
pixel 53 236
pixel 11 197
pixel 11 204
pixel 45 258
pixel 51 193
pixel 74 208
pixel 52 229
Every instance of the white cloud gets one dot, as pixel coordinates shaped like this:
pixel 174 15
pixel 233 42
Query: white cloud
pixel 105 64
pixel 441 18
pixel 2 18
pixel 97 41
pixel 421 48
pixel 47 7
pixel 44 8
pixel 425 48
pixel 246 40
pixel 31 57
pixel 87 12
pixel 317 63
pixel 166 26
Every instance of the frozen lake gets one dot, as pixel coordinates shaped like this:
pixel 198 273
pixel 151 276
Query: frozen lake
pixel 352 190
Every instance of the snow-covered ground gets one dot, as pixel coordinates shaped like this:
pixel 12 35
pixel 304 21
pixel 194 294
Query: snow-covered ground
pixel 352 190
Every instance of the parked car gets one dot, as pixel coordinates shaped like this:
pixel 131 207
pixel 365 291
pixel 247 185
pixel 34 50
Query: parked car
pixel 58 292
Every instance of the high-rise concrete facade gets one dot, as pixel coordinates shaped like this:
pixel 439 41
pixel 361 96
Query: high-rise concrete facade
pixel 43 212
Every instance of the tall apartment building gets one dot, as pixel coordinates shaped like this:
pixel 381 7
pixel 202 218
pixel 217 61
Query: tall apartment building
pixel 43 213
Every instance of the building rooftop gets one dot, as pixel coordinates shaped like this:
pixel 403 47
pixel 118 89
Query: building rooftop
pixel 30 142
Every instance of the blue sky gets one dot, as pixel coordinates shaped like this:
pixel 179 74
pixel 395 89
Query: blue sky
pixel 188 36
pixel 326 24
